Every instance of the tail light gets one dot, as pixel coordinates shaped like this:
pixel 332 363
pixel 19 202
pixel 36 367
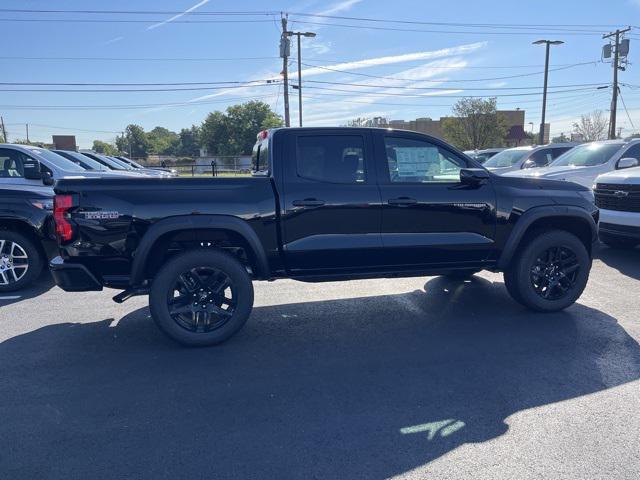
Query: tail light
pixel 61 206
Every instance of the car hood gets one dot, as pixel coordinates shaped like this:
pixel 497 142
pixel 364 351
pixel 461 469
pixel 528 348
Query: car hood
pixel 547 172
pixel 629 176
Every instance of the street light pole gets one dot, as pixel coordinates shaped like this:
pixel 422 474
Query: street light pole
pixel 548 44
pixel 300 34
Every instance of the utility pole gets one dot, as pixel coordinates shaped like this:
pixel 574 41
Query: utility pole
pixel 285 49
pixel 27 125
pixel 4 132
pixel 548 44
pixel 300 34
pixel 616 66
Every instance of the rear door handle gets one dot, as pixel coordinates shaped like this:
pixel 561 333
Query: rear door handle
pixel 402 201
pixel 308 202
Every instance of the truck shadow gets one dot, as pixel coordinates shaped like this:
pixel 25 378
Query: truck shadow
pixel 627 262
pixel 41 285
pixel 353 388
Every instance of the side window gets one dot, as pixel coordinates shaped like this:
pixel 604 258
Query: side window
pixel 559 151
pixel 541 158
pixel 331 158
pixel 633 152
pixel 418 161
pixel 11 165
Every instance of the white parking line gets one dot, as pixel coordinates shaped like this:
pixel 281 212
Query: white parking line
pixel 13 297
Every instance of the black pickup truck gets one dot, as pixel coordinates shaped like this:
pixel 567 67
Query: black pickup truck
pixel 322 204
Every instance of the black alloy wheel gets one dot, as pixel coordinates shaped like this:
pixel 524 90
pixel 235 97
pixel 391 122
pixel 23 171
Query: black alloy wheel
pixel 554 272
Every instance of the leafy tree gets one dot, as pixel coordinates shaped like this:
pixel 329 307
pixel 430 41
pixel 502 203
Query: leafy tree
pixel 562 138
pixel 475 124
pixel 133 141
pixel 189 142
pixel 593 126
pixel 368 122
pixel 163 141
pixel 234 132
pixel 103 147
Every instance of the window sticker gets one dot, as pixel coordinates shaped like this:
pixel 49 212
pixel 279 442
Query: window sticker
pixel 417 162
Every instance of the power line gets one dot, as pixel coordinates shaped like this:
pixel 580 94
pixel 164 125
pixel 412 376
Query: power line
pixel 104 20
pixel 141 59
pixel 408 87
pixel 130 90
pixel 626 111
pixel 444 81
pixel 64 128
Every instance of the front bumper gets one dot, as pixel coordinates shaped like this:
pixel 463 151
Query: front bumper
pixel 611 230
pixel 73 277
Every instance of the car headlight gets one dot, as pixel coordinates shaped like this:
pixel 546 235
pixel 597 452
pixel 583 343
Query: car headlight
pixel 588 196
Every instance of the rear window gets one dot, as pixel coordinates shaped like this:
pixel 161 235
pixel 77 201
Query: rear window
pixel 331 158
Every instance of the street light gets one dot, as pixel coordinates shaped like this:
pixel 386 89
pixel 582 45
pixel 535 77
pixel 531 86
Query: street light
pixel 308 35
pixel 548 43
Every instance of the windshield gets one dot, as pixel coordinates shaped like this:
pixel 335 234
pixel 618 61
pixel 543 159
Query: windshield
pixel 130 162
pixel 587 155
pixel 506 158
pixel 83 161
pixel 124 165
pixel 58 160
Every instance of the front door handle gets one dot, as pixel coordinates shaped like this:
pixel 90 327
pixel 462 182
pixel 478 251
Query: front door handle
pixel 402 201
pixel 308 202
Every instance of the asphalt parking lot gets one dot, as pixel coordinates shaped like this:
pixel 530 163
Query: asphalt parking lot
pixel 409 378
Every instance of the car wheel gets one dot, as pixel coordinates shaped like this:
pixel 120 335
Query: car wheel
pixel 20 261
pixel 201 297
pixel 550 272
pixel 618 243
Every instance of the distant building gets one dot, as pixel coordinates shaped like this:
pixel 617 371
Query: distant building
pixel 64 142
pixel 513 119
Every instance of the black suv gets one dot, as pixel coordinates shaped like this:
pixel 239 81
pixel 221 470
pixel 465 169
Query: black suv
pixel 27 236
pixel 322 204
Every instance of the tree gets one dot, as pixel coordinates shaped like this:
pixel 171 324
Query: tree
pixel 103 147
pixel 134 142
pixel 163 141
pixel 368 122
pixel 234 132
pixel 562 138
pixel 593 126
pixel 189 145
pixel 475 124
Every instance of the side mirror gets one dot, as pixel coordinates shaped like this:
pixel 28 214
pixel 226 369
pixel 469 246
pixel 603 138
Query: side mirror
pixel 474 176
pixel 529 164
pixel 47 179
pixel 627 162
pixel 31 170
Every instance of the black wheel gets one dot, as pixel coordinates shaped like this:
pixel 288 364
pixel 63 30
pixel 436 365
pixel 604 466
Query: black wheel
pixel 460 274
pixel 20 261
pixel 201 297
pixel 618 242
pixel 550 272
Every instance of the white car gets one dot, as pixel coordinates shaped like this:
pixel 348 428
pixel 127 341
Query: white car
pixel 618 198
pixel 25 165
pixel 584 163
pixel 521 158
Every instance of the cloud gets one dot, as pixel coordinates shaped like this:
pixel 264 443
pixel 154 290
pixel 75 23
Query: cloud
pixel 113 40
pixel 340 7
pixel 175 17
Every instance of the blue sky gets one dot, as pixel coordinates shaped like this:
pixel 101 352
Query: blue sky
pixel 416 61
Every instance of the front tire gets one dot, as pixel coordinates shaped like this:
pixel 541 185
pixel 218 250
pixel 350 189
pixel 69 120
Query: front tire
pixel 550 272
pixel 20 261
pixel 201 297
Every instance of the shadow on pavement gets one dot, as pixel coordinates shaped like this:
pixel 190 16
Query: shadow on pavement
pixel 626 262
pixel 43 284
pixel 354 388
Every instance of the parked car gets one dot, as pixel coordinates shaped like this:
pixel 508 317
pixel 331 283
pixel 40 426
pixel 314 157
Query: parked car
pixel 324 204
pixel 482 156
pixel 26 165
pixel 90 164
pixel 521 158
pixel 585 162
pixel 120 166
pixel 617 194
pixel 26 234
pixel 136 165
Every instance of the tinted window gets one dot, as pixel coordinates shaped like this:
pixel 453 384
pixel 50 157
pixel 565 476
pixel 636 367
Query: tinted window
pixel 331 158
pixel 11 163
pixel 588 155
pixel 556 152
pixel 58 160
pixel 418 161
pixel 506 158
pixel 542 157
pixel 633 152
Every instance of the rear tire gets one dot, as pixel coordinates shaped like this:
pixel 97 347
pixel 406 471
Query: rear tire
pixel 550 272
pixel 20 261
pixel 201 297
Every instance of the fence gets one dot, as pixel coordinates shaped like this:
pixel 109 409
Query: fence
pixel 205 166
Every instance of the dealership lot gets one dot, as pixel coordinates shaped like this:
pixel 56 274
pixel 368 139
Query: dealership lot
pixel 409 378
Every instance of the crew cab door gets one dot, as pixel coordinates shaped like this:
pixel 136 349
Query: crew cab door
pixel 331 203
pixel 429 218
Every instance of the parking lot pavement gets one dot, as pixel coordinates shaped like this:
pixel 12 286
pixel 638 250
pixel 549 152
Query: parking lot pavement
pixel 408 378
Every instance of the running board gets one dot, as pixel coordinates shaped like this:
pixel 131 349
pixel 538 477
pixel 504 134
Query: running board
pixel 130 292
